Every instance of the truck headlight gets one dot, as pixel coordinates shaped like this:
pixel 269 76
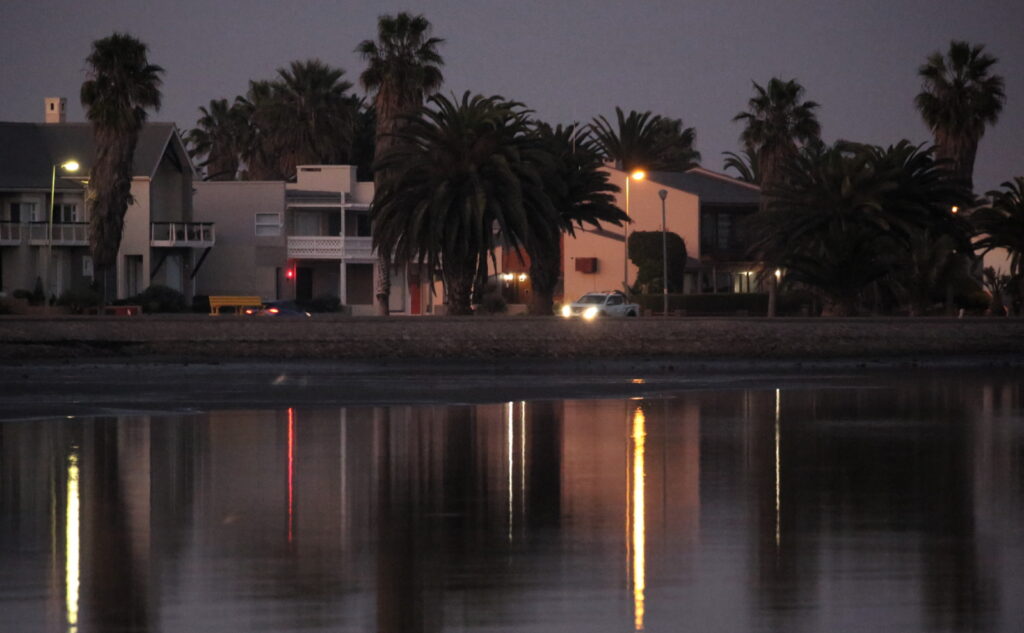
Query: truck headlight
pixel 590 313
pixel 566 311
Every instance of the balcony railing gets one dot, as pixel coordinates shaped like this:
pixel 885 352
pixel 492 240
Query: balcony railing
pixel 10 233
pixel 182 234
pixel 329 247
pixel 60 233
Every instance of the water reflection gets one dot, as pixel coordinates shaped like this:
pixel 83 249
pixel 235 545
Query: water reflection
pixel 893 504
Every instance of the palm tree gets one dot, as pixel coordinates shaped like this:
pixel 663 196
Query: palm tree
pixel 846 216
pixel 778 121
pixel 960 97
pixel 404 67
pixel 260 144
pixel 462 178
pixel 216 141
pixel 745 165
pixel 121 86
pixel 312 114
pixel 1001 225
pixel 642 140
pixel 581 194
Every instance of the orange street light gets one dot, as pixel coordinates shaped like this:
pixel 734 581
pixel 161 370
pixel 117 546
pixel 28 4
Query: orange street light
pixel 636 174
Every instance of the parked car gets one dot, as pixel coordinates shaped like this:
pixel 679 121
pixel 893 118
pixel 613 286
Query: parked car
pixel 279 309
pixel 612 303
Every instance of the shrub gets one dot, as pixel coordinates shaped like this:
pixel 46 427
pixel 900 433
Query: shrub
pixel 37 298
pixel 21 293
pixel 645 251
pixel 78 299
pixel 158 299
pixel 725 304
pixel 325 303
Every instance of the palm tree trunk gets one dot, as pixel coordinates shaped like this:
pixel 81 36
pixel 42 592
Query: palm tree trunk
pixel 544 268
pixel 458 282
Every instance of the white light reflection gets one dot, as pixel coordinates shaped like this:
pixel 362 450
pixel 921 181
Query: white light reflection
pixel 510 432
pixel 639 525
pixel 778 469
pixel 522 457
pixel 72 551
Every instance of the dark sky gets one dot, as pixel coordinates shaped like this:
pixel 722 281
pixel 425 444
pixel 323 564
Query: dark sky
pixel 565 59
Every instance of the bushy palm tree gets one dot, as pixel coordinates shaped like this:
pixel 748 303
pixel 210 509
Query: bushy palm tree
pixel 121 86
pixel 959 98
pixel 846 216
pixel 1001 225
pixel 581 194
pixel 403 67
pixel 463 177
pixel 778 122
pixel 216 141
pixel 642 140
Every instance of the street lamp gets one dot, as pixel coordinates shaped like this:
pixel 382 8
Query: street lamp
pixel 662 193
pixel 636 174
pixel 70 166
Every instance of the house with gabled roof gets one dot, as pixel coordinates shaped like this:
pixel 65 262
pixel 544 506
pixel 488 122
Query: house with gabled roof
pixel 703 207
pixel 161 243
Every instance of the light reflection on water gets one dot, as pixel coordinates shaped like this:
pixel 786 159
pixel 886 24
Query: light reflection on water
pixel 895 506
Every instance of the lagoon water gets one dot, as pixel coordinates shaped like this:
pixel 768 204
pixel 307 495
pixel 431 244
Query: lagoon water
pixel 856 504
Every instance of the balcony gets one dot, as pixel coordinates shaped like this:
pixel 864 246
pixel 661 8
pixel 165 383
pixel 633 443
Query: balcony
pixel 329 247
pixel 60 233
pixel 10 233
pixel 182 234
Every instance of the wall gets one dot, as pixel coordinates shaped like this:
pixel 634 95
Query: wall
pixel 240 263
pixel 682 217
pixel 324 178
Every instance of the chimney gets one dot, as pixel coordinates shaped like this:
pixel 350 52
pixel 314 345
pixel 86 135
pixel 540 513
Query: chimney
pixel 55 109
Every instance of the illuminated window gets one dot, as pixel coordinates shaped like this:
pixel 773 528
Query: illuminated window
pixel 268 224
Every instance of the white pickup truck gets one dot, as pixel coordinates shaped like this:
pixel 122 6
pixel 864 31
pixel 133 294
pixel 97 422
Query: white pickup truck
pixel 594 304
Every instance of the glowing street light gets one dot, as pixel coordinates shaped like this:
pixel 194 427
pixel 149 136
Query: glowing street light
pixel 636 174
pixel 70 166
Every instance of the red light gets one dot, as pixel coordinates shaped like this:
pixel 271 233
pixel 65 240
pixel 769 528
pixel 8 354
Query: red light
pixel 290 274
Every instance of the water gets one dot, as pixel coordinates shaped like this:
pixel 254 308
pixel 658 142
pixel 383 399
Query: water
pixel 891 503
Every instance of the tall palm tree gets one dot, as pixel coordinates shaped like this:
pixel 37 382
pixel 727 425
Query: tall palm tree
pixel 216 141
pixel 581 194
pixel 959 98
pixel 260 144
pixel 1001 225
pixel 121 86
pixel 462 178
pixel 403 67
pixel 642 140
pixel 778 122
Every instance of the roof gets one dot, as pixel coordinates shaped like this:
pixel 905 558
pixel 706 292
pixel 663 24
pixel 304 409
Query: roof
pixel 28 152
pixel 711 187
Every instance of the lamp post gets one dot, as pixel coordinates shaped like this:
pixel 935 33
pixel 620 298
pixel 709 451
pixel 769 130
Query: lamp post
pixel 662 193
pixel 70 166
pixel 636 174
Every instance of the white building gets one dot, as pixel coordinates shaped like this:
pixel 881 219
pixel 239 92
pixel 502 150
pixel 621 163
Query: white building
pixel 161 243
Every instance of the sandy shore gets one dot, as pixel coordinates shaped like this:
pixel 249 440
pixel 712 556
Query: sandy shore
pixel 193 338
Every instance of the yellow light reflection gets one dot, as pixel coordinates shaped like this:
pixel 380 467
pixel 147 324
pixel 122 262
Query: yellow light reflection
pixel 72 549
pixel 639 437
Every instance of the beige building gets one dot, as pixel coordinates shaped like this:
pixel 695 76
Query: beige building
pixel 161 243
pixel 702 207
pixel 300 240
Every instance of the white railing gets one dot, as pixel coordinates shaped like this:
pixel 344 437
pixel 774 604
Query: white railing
pixel 10 233
pixel 60 233
pixel 182 234
pixel 329 247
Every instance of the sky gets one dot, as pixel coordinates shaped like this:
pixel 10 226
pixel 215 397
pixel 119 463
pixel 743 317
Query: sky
pixel 565 59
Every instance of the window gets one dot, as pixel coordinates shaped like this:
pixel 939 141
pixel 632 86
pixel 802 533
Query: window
pixel 268 224
pixel 65 212
pixel 22 212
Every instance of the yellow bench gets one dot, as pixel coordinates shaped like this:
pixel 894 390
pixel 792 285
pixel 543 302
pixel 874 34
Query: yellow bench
pixel 218 302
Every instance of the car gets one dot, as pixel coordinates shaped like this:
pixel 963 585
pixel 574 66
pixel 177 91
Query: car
pixel 611 303
pixel 279 309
